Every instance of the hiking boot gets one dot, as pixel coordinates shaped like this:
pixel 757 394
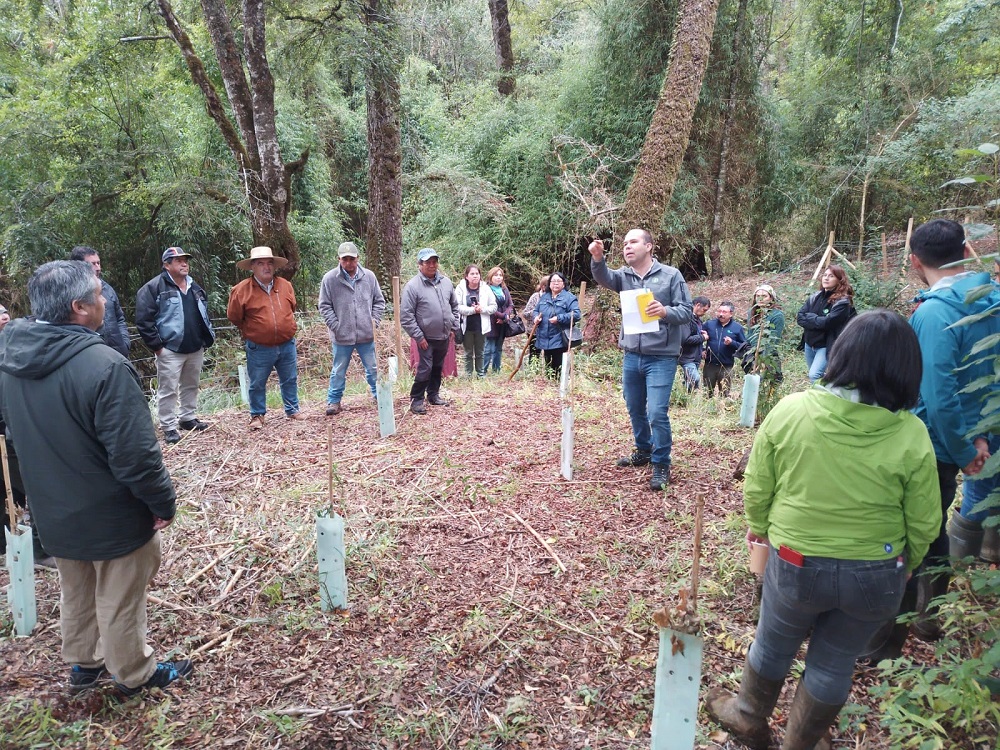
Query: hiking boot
pixel 296 416
pixel 192 424
pixel 660 478
pixel 638 458
pixel 84 678
pixel 332 409
pixel 436 400
pixel 166 672
pixel 171 437
pixel 418 406
pixel 257 422
pixel 745 715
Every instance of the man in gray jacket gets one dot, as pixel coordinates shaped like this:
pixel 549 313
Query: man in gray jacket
pixel 650 358
pixel 428 313
pixel 93 473
pixel 115 329
pixel 351 303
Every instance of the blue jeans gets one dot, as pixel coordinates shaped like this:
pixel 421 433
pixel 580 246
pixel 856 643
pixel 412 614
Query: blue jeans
pixel 692 375
pixel 815 362
pixel 974 490
pixel 843 601
pixel 646 384
pixel 492 352
pixel 260 361
pixel 341 360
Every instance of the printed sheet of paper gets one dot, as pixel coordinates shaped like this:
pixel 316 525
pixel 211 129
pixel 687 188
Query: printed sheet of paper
pixel 631 319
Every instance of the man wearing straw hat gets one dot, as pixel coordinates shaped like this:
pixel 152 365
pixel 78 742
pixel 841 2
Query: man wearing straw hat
pixel 93 473
pixel 171 313
pixel 351 303
pixel 263 309
pixel 428 312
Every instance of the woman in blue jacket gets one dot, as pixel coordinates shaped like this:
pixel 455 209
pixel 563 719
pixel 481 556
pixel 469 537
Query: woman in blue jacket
pixel 557 311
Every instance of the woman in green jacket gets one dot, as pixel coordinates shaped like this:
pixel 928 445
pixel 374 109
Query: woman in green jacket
pixel 842 484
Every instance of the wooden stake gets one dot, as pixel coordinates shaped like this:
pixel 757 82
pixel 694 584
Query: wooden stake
pixel 696 565
pixel 906 249
pixel 548 548
pixel 824 259
pixel 398 322
pixel 843 258
pixel 329 463
pixel 885 255
pixel 11 510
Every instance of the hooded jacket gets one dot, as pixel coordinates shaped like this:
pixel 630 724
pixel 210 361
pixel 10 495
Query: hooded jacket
pixel 669 289
pixel 951 415
pixel 829 477
pixel 91 466
pixel 564 307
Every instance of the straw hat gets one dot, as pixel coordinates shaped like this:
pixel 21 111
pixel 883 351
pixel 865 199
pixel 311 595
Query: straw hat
pixel 261 253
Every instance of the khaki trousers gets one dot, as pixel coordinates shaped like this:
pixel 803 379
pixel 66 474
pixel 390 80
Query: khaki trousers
pixel 177 378
pixel 103 612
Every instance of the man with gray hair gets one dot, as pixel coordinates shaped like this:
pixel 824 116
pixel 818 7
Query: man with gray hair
pixel 351 303
pixel 115 329
pixel 428 312
pixel 93 473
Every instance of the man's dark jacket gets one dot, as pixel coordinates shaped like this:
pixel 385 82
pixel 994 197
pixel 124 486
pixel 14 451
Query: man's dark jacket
pixel 115 329
pixel 159 313
pixel 91 466
pixel 693 345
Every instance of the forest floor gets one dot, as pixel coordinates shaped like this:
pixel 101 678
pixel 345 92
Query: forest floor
pixel 463 629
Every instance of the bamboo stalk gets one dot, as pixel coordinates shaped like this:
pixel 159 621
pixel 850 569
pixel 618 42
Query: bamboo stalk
pixel 824 259
pixel 398 323
pixel 696 566
pixel 208 567
pixel 885 255
pixel 11 510
pixel 906 249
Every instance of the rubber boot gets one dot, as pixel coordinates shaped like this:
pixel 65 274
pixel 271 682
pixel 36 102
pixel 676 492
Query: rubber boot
pixel 965 537
pixel 990 550
pixel 809 722
pixel 926 627
pixel 745 715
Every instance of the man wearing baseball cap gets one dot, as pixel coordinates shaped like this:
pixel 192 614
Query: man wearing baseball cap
pixel 171 313
pixel 428 313
pixel 351 303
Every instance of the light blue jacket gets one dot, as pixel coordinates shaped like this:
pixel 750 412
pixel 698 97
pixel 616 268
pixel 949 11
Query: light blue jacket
pixel 950 414
pixel 563 306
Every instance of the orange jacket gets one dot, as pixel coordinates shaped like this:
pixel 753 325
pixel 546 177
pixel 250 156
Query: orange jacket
pixel 265 319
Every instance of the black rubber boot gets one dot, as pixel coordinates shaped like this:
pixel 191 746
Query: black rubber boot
pixel 809 722
pixel 990 550
pixel 926 627
pixel 745 715
pixel 965 537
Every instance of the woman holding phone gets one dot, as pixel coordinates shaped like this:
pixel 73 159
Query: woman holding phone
pixel 475 310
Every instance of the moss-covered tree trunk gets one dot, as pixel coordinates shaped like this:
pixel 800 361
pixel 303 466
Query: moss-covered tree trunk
pixel 264 177
pixel 667 138
pixel 384 231
pixel 502 46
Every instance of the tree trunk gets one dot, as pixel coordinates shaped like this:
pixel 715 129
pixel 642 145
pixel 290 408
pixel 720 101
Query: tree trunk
pixel 714 248
pixel 666 141
pixel 253 141
pixel 384 234
pixel 502 45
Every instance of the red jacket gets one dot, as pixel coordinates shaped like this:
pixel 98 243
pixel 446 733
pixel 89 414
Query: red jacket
pixel 265 319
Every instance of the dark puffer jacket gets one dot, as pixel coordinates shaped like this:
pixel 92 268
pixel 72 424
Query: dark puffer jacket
pixel 822 321
pixel 91 466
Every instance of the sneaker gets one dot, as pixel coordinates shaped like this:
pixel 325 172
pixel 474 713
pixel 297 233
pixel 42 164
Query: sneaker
pixel 332 409
pixel 193 424
pixel 436 400
pixel 660 478
pixel 171 437
pixel 166 672
pixel 638 458
pixel 296 416
pixel 418 406
pixel 84 678
pixel 257 422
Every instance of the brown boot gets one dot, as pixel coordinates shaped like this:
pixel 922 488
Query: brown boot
pixel 745 715
pixel 809 722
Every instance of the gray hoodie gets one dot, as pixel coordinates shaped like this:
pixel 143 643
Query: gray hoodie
pixel 91 466
pixel 349 308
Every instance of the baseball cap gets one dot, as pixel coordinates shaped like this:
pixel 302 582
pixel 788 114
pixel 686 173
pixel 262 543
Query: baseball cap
pixel 173 252
pixel 347 250
pixel 426 254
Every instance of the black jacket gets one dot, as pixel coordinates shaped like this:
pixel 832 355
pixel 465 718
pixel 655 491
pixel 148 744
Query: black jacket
pixel 91 466
pixel 693 345
pixel 823 322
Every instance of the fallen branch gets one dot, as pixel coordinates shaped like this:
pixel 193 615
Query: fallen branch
pixel 546 545
pixel 208 567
